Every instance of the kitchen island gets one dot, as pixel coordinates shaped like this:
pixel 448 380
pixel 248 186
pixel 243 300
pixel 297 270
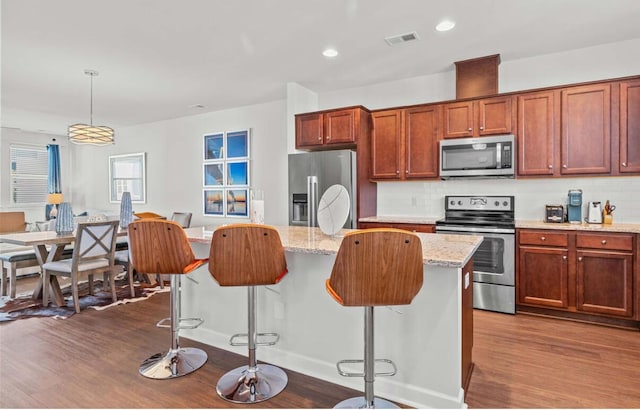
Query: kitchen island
pixel 429 340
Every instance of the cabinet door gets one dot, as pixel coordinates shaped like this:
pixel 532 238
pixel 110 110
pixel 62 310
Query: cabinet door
pixel 421 142
pixel 339 127
pixel 385 144
pixel 458 120
pixel 630 126
pixel 494 116
pixel 536 133
pixel 309 130
pixel 586 130
pixel 604 283
pixel 543 277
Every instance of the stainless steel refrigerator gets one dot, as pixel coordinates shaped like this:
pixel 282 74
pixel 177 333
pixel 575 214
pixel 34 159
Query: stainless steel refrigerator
pixel 310 174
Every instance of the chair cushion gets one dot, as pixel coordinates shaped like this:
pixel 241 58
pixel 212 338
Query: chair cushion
pixel 122 256
pixel 65 265
pixel 18 256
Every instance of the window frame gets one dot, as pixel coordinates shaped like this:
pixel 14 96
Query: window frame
pixel 115 195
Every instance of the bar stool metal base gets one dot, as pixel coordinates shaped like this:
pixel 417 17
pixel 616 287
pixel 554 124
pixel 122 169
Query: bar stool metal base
pixel 242 385
pixel 174 363
pixel 361 403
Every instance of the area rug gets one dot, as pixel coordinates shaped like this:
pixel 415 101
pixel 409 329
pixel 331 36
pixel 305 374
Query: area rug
pixel 23 306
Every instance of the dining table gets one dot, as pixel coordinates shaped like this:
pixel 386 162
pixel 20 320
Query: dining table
pixel 48 246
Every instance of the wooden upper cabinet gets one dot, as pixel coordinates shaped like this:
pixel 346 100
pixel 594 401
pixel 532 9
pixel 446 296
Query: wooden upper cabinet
pixel 404 143
pixel 458 120
pixel 630 126
pixel 421 127
pixel 309 130
pixel 586 129
pixel 386 144
pixel 488 116
pixel 330 129
pixel 537 122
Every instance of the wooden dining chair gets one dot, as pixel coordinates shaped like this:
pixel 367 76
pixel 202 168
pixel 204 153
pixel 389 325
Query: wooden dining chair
pixel 183 218
pixel 93 252
pixel 159 246
pixel 375 267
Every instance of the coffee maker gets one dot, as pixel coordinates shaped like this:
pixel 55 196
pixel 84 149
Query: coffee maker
pixel 574 206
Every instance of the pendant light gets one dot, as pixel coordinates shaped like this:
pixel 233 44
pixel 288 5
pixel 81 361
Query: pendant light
pixel 91 134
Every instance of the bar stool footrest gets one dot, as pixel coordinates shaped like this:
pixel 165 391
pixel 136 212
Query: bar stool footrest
pixel 275 337
pixel 166 322
pixel 350 374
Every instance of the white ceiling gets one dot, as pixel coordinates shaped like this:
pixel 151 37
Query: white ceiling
pixel 157 58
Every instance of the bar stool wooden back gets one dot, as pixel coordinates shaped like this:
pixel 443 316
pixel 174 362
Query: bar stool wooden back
pixel 375 267
pixel 159 246
pixel 249 255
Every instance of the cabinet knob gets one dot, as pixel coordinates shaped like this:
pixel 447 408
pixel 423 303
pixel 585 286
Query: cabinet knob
pixel 319 138
pixel 550 166
pixel 328 137
pixel 624 164
pixel 470 129
pixel 481 128
pixel 406 171
pixel 604 242
pixel 580 258
pixel 564 257
pixel 564 165
pixel 543 238
pixel 397 172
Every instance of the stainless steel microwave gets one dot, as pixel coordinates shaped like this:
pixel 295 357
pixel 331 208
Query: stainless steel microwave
pixel 484 157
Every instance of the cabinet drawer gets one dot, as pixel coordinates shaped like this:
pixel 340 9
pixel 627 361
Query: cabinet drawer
pixel 544 238
pixel 604 241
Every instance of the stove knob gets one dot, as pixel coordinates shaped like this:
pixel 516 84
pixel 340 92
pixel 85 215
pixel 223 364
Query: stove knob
pixel 460 203
pixel 453 202
pixel 497 203
pixel 505 203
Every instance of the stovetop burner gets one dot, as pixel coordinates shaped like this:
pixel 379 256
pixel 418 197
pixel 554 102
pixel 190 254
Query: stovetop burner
pixel 496 211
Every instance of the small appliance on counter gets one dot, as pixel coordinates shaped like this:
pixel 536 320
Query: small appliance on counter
pixel 574 206
pixel 554 213
pixel 594 215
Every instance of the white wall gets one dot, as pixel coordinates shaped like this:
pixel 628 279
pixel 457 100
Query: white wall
pixel 174 162
pixel 427 198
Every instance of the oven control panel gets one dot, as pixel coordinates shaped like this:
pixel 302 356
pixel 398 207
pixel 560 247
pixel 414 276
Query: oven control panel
pixel 475 202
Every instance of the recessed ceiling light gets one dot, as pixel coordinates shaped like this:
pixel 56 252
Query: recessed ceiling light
pixel 197 106
pixel 330 52
pixel 445 25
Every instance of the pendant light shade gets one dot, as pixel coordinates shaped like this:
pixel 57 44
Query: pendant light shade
pixel 89 133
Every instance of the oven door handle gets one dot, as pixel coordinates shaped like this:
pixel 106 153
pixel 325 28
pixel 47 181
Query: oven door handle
pixel 473 229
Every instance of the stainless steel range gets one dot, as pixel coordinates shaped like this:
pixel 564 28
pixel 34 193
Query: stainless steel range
pixel 493 218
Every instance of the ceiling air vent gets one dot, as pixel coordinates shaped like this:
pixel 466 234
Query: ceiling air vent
pixel 401 38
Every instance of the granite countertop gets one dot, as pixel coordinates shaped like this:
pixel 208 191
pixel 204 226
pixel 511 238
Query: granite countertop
pixel 423 220
pixel 451 251
pixel 614 227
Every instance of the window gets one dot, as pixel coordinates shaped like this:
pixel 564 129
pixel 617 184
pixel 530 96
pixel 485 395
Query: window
pixel 127 174
pixel 226 173
pixel 29 170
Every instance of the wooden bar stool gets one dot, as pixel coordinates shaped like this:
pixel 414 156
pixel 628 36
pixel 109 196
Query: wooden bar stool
pixel 375 267
pixel 249 255
pixel 159 246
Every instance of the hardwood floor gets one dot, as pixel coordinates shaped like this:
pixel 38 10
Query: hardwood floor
pixel 91 361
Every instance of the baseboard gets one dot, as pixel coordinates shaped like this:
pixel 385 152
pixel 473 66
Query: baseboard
pixel 410 395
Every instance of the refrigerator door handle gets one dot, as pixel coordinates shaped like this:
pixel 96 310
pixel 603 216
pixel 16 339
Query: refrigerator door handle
pixel 312 195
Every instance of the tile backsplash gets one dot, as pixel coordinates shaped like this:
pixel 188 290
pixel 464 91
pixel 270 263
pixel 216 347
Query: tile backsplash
pixel 426 198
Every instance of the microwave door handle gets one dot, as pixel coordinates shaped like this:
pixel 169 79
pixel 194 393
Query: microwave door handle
pixel 498 155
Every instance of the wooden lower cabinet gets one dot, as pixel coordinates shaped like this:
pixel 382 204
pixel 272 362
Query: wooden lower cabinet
pixel 605 283
pixel 543 276
pixel 584 273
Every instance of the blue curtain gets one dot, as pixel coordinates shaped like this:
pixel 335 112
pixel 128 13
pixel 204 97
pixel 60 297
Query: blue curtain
pixel 53 179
